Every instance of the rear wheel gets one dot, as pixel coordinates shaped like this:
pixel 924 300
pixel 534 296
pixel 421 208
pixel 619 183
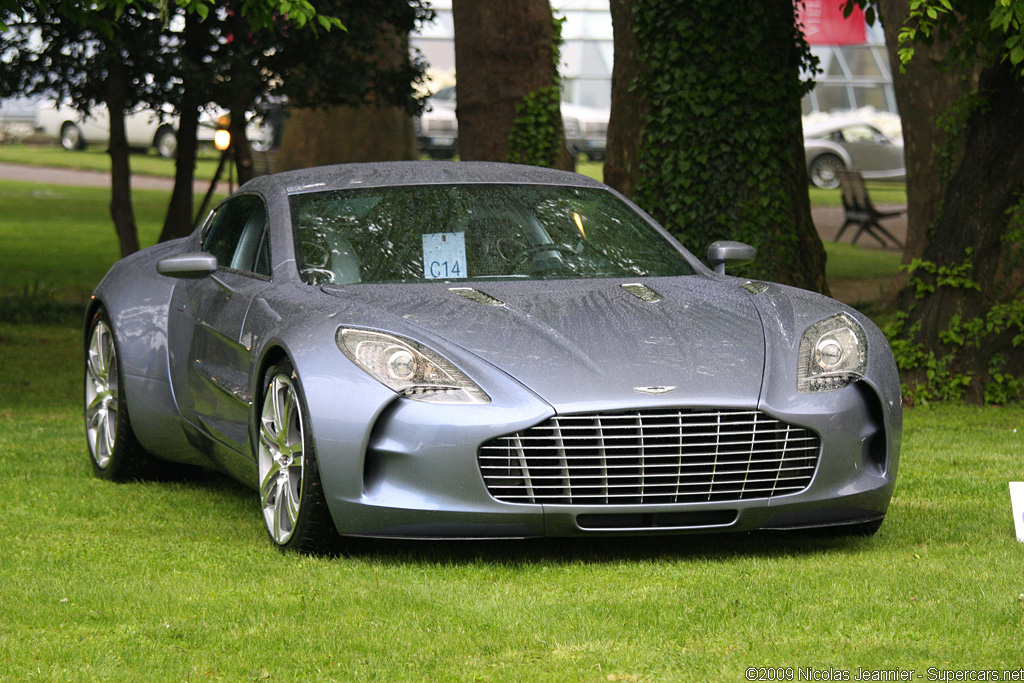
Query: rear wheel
pixel 166 142
pixel 71 137
pixel 824 171
pixel 116 452
pixel 294 508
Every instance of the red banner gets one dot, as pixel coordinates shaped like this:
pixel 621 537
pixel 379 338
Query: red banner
pixel 823 23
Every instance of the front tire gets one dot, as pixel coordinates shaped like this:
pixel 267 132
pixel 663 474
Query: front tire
pixel 824 171
pixel 294 508
pixel 116 454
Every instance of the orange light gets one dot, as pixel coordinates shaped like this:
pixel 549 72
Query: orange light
pixel 222 140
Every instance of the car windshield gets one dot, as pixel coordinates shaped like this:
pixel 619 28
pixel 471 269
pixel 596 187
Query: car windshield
pixel 422 233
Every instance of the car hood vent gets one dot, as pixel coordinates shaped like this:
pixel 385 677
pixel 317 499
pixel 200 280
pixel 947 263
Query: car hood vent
pixel 476 295
pixel 642 292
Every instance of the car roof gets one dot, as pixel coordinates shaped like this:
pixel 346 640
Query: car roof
pixel 382 174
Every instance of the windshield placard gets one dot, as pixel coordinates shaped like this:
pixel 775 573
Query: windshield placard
pixel 444 256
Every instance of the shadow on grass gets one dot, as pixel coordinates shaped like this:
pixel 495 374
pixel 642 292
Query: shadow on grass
pixel 39 304
pixel 610 549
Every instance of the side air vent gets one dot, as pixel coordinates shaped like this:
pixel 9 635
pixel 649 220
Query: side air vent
pixel 755 287
pixel 476 295
pixel 642 292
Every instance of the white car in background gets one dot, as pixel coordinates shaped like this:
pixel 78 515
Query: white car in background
pixel 145 128
pixel 586 129
pixel 853 142
pixel 437 129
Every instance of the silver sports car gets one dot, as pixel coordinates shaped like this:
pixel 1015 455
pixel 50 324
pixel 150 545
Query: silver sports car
pixel 454 349
pixel 852 143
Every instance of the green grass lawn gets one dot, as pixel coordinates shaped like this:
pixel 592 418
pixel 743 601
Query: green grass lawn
pixel 882 192
pixel 95 158
pixel 177 581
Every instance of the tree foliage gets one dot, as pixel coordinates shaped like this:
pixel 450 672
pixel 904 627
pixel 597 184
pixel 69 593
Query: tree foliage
pixel 197 54
pixel 721 155
pixel 987 31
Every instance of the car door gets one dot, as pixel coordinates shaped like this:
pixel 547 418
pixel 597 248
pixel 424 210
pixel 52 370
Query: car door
pixel 870 150
pixel 212 379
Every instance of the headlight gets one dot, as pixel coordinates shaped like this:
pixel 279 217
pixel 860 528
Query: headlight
pixel 833 354
pixel 408 368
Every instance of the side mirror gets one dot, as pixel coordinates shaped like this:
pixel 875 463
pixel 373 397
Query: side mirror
pixel 189 266
pixel 728 252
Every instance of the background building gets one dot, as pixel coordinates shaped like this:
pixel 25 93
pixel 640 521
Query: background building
pixel 853 76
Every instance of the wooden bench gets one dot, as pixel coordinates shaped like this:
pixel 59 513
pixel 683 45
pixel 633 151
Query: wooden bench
pixel 861 212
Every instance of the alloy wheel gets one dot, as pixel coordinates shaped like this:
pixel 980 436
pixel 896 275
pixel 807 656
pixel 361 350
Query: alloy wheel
pixel 101 394
pixel 281 450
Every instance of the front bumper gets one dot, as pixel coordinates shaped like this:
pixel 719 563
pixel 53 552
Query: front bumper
pixel 419 475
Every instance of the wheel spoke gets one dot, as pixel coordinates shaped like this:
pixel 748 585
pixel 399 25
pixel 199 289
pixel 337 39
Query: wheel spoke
pixel 277 389
pixel 284 431
pixel 276 529
pixel 293 450
pixel 267 436
pixel 98 369
pixel 293 501
pixel 270 485
pixel 94 411
pixel 102 442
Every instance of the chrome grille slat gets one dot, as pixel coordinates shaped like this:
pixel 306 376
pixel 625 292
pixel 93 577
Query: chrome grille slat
pixel 538 472
pixel 541 487
pixel 657 456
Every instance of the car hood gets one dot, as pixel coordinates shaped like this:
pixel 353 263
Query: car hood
pixel 592 344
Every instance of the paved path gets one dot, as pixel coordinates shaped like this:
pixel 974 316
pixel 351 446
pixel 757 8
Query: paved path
pixel 67 176
pixel 827 219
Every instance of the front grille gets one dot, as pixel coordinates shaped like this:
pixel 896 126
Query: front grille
pixel 650 457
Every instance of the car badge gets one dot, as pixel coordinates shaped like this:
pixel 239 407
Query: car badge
pixel 654 390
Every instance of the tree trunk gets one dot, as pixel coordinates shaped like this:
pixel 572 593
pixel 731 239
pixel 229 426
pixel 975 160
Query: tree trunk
pixel 369 132
pixel 927 91
pixel 245 87
pixel 317 137
pixel 503 53
pixel 625 125
pixel 719 150
pixel 240 148
pixel 179 222
pixel 121 209
pixel 980 204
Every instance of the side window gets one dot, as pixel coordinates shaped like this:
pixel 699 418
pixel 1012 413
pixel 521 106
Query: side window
pixel 237 236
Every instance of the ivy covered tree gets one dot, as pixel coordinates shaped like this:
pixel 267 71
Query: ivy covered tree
pixel 509 99
pixel 705 129
pixel 961 330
